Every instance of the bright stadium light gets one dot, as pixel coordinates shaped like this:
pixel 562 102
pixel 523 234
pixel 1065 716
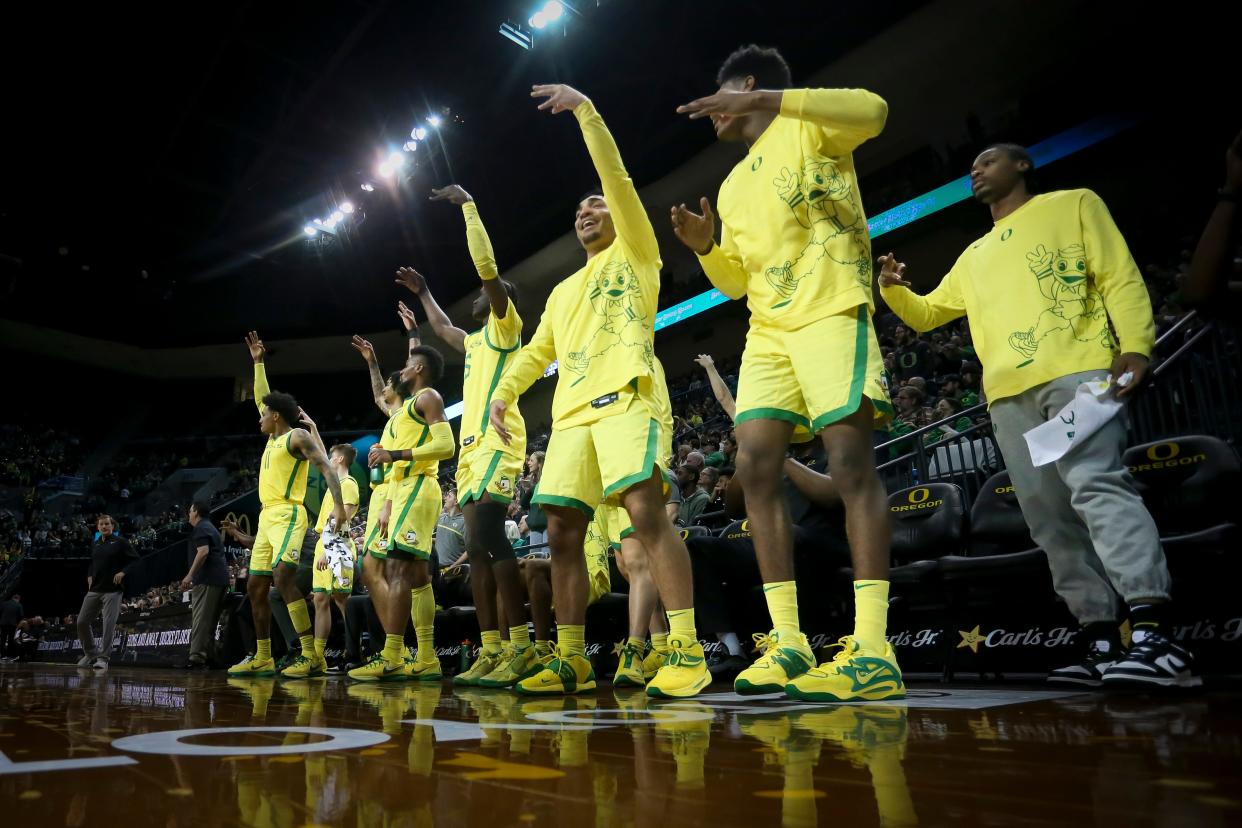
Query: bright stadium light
pixel 392 163
pixel 550 13
pixel 368 187
pixel 317 221
pixel 337 216
pixel 410 146
pixel 347 207
pixel 309 230
pixel 433 121
pixel 421 132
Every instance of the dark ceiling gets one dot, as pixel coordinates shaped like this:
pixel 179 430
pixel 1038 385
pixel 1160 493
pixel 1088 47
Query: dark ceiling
pixel 165 163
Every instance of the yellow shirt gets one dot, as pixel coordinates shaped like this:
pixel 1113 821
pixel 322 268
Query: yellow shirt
pixel 598 322
pixel 794 237
pixel 349 492
pixel 1040 289
pixel 282 476
pixel 406 429
pixel 488 351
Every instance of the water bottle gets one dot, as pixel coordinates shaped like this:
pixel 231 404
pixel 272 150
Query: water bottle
pixel 464 654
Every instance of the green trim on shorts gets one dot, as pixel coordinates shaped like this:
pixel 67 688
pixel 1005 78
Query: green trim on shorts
pixel 487 478
pixel 557 500
pixel 264 573
pixel 653 442
pixel 318 589
pixel 393 545
pixel 284 544
pixel 401 552
pixel 854 400
pixel 883 406
pixel 771 414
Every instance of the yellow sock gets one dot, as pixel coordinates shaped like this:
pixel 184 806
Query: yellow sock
pixel 636 643
pixel 571 639
pixel 320 645
pixel 423 611
pixel 393 646
pixel 543 644
pixel 300 617
pixel 491 642
pixel 519 636
pixel 782 598
pixel 681 625
pixel 870 614
pixel 262 649
pixel 659 641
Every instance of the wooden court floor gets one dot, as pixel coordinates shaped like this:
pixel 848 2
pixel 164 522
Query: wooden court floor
pixel 148 747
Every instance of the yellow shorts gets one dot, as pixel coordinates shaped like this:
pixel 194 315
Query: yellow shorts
pixel 325 580
pixel 814 376
pixel 596 463
pixel 416 506
pixel 378 495
pixel 483 470
pixel 282 528
pixel 616 522
pixel 598 547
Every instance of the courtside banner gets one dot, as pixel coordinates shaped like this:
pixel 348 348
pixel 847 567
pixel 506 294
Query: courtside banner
pixel 158 638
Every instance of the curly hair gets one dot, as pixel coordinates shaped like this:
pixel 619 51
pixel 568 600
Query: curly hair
pixel 767 65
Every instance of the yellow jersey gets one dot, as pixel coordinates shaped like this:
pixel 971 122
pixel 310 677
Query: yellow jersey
pixel 349 493
pixel 1040 290
pixel 488 351
pixel 794 237
pixel 597 323
pixel 406 429
pixel 282 475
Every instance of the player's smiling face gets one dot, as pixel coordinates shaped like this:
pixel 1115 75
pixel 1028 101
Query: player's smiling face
pixel 593 223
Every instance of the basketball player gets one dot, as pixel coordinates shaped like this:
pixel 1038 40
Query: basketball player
pixel 1040 291
pixel 282 523
pixel 795 241
pixel 414 442
pixel 606 435
pixel 487 468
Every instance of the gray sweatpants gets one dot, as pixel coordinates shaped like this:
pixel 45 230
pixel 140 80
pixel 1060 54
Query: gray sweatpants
pixel 95 604
pixel 204 612
pixel 1083 510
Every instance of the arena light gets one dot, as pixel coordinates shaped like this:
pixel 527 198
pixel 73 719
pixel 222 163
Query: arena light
pixel 337 217
pixel 368 187
pixel 550 13
pixel 309 230
pixel 517 35
pixel 347 207
pixel 434 122
pixel 394 162
pixel 410 146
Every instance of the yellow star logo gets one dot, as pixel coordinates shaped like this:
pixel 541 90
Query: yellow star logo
pixel 618 648
pixel 971 639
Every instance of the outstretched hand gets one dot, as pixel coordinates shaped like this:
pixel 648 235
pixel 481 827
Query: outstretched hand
pixel 363 347
pixel 695 231
pixel 407 317
pixel 705 361
pixel 453 192
pixel 560 98
pixel 724 102
pixel 892 272
pixel 412 279
pixel 305 419
pixel 257 350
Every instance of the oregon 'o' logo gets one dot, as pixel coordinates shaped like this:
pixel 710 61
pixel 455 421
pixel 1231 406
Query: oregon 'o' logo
pixel 1008 232
pixel 1154 453
pixel 685 534
pixel 746 525
pixel 919 495
pixel 758 163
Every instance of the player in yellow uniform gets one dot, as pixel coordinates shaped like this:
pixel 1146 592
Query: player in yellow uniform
pixel 333 579
pixel 414 442
pixel 487 468
pixel 1044 292
pixel 605 444
pixel 282 522
pixel 795 242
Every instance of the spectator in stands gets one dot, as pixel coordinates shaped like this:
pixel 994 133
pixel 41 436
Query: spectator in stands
pixel 722 485
pixel 206 581
pixel 687 477
pixel 1049 314
pixel 727 454
pixel 696 503
pixel 911 412
pixel 10 616
pixel 109 556
pixel 972 391
pixel 950 386
pixel 450 538
pixel 696 460
pixel 913 356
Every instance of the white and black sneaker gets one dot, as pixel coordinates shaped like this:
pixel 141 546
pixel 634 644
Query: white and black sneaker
pixel 1155 661
pixel 1090 671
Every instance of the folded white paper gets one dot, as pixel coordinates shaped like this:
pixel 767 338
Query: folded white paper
pixel 1094 404
pixel 337 550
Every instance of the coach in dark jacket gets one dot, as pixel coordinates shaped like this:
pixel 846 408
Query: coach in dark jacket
pixel 109 557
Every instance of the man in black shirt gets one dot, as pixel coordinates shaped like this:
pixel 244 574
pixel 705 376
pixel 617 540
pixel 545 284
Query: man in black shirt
pixel 207 580
pixel 10 617
pixel 109 557
pixel 914 356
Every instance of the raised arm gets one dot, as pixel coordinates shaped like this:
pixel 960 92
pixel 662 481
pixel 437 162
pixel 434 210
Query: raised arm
pixel 365 348
pixel 480 246
pixel 309 448
pixel 723 395
pixel 628 214
pixel 444 328
pixel 312 430
pixel 942 305
pixel 258 352
pixel 412 335
pixel 847 117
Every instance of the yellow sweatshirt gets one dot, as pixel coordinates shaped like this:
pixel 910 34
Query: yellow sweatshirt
pixel 794 237
pixel 1039 290
pixel 598 322
pixel 488 351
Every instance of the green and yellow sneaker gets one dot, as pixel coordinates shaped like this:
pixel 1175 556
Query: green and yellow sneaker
pixel 418 670
pixel 684 675
pixel 252 667
pixel 780 661
pixel 854 674
pixel 566 674
pixel 520 664
pixel 377 669
pixel 486 663
pixel 301 667
pixel 653 661
pixel 630 671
